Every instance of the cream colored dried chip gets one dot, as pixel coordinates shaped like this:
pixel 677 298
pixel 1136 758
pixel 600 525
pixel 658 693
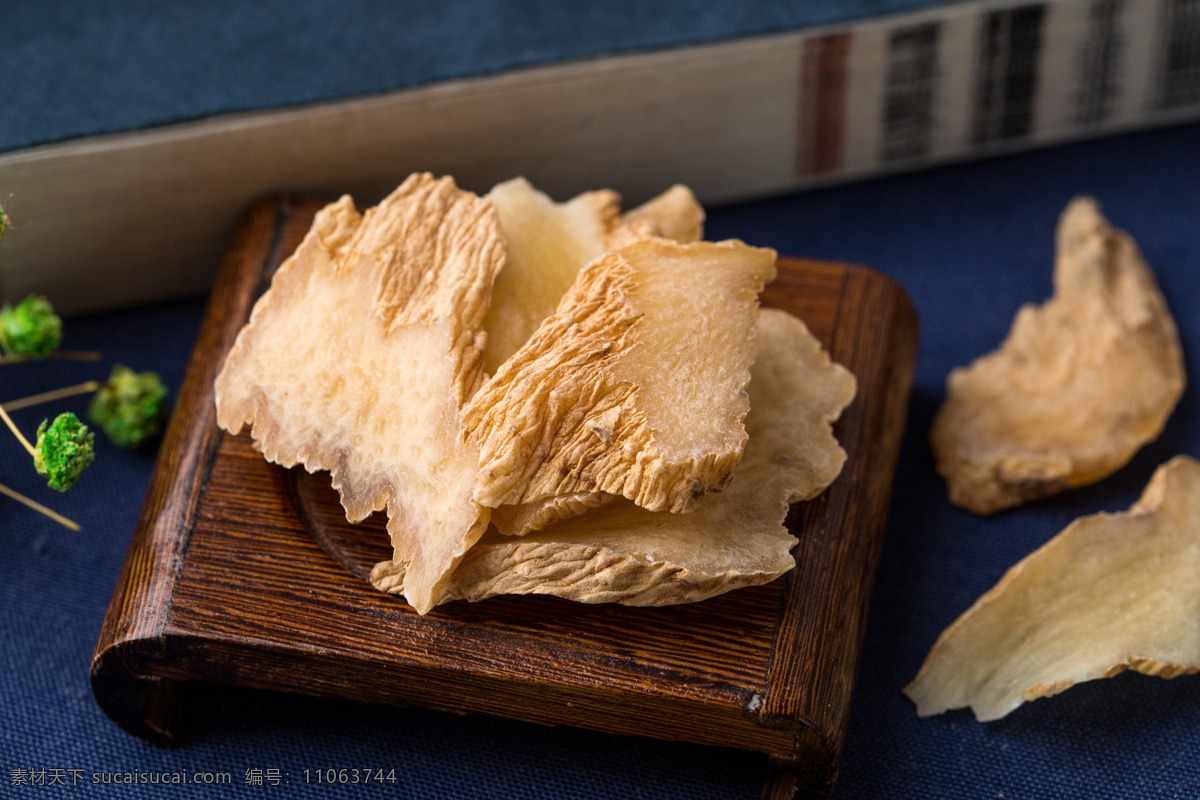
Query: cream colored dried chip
pixel 523 518
pixel 1110 592
pixel 624 554
pixel 674 215
pixel 1077 387
pixel 359 358
pixel 548 243
pixel 634 387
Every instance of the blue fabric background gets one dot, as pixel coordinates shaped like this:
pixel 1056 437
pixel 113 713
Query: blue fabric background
pixel 969 242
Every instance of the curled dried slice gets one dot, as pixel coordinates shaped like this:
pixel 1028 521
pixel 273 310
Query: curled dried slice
pixel 674 214
pixel 548 243
pixel 634 387
pixel 359 358
pixel 1110 592
pixel 523 518
pixel 1077 387
pixel 625 554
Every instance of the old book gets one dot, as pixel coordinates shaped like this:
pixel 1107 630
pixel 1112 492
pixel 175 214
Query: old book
pixel 143 215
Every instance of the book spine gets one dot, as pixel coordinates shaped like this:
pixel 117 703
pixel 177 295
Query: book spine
pixel 972 79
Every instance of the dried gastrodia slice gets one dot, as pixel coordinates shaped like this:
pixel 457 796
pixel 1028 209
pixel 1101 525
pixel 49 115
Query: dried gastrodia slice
pixel 1078 386
pixel 634 387
pixel 548 243
pixel 674 215
pixel 625 554
pixel 360 356
pixel 1110 592
pixel 523 518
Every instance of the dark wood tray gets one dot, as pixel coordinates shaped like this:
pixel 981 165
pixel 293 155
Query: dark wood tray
pixel 225 582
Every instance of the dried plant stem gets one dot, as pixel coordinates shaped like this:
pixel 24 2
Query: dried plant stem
pixel 75 355
pixel 57 394
pixel 36 506
pixel 62 355
pixel 16 431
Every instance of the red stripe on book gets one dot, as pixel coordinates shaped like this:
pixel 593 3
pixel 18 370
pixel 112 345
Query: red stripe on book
pixel 822 105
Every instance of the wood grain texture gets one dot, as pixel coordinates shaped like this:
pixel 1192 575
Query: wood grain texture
pixel 140 701
pixel 247 574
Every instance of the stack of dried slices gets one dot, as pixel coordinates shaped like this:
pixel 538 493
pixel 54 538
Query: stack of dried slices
pixel 545 398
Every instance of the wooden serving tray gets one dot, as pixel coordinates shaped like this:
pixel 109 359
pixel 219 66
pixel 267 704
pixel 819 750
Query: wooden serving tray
pixel 230 578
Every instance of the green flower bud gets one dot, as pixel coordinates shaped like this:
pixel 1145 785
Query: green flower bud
pixel 62 451
pixel 30 329
pixel 130 408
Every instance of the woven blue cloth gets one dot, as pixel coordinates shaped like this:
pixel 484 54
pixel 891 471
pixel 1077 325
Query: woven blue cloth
pixel 970 243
